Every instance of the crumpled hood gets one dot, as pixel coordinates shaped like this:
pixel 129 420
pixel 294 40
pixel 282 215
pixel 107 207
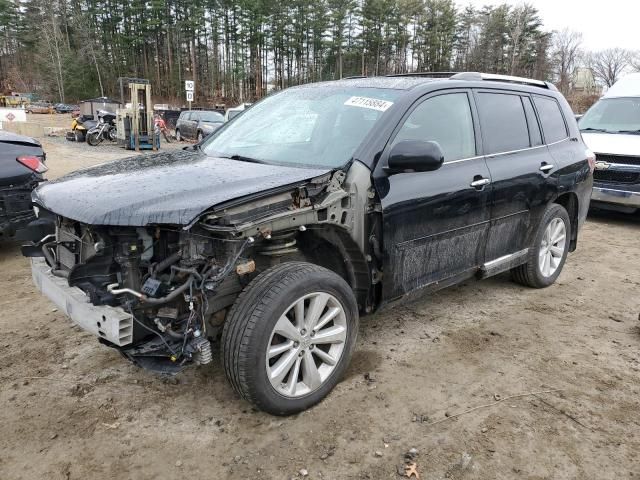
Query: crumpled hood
pixel 612 143
pixel 166 188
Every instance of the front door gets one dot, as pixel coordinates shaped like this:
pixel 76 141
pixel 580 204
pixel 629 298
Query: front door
pixel 191 124
pixel 435 223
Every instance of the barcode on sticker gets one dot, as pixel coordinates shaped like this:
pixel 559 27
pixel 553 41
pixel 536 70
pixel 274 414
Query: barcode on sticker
pixel 366 102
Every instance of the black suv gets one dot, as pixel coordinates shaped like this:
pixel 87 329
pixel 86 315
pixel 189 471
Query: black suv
pixel 318 204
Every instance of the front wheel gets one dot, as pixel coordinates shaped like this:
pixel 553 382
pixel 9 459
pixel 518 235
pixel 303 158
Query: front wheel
pixel 94 139
pixel 178 136
pixel 289 337
pixel 200 137
pixel 549 251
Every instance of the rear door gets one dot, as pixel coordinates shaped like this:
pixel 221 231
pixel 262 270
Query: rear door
pixel 520 166
pixel 435 223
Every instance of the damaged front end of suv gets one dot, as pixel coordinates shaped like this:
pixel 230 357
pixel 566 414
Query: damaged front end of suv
pixel 159 293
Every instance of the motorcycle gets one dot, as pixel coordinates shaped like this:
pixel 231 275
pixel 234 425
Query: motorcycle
pixel 104 130
pixel 79 128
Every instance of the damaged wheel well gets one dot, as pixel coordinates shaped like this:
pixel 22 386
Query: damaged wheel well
pixel 570 202
pixel 335 250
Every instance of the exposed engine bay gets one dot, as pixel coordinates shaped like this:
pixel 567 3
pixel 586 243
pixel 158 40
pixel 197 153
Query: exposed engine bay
pixel 176 283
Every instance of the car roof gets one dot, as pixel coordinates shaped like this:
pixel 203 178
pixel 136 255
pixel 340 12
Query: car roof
pixel 424 81
pixel 627 86
pixel 184 112
pixel 391 82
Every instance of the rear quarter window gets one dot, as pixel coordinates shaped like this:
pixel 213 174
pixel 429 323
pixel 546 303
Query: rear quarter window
pixel 554 127
pixel 503 121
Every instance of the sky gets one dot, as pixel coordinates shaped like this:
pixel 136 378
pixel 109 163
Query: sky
pixel 603 24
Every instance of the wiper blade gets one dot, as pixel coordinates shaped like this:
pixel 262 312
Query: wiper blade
pixel 632 132
pixel 590 129
pixel 242 158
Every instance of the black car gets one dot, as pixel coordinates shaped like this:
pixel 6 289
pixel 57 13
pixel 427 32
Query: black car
pixel 21 168
pixel 318 204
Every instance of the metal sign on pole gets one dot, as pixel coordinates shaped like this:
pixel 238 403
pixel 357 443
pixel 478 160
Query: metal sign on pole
pixel 189 86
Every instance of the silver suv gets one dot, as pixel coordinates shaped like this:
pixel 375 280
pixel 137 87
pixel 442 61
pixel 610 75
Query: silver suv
pixel 197 124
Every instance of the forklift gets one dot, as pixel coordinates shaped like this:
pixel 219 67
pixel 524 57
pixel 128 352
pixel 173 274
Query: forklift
pixel 135 122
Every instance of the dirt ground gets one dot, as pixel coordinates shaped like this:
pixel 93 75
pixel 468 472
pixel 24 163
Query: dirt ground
pixel 435 375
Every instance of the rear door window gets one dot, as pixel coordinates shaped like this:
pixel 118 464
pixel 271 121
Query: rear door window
pixel 445 119
pixel 503 121
pixel 553 124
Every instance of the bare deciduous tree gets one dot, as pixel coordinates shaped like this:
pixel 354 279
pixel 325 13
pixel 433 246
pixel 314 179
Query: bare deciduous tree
pixel 565 55
pixel 634 60
pixel 607 65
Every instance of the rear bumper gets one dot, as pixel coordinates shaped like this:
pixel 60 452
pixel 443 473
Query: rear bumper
pixel 15 208
pixel 616 196
pixel 9 225
pixel 109 323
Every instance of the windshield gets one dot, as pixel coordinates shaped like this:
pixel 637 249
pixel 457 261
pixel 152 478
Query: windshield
pixel 211 117
pixel 313 126
pixel 613 115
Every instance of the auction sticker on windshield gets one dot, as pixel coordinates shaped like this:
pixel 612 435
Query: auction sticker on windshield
pixel 366 102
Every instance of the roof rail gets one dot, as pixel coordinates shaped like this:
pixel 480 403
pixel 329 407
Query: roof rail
pixel 424 74
pixel 491 77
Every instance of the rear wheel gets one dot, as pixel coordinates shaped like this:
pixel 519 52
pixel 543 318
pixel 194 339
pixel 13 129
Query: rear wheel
pixel 549 251
pixel 289 337
pixel 178 136
pixel 79 135
pixel 200 137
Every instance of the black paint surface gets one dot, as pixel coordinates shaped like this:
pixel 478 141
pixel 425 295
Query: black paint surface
pixel 166 188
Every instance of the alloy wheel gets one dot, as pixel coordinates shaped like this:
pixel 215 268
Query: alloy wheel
pixel 306 344
pixel 552 247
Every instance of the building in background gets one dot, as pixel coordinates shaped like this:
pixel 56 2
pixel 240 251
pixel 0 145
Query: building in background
pixel 585 83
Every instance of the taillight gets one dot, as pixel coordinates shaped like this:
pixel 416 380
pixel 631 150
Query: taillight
pixel 591 158
pixel 33 163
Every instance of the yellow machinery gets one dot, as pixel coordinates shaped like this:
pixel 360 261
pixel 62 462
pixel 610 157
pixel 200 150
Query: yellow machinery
pixel 135 123
pixel 13 100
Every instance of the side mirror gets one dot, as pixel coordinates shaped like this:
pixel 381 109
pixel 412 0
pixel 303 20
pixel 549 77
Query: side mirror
pixel 415 155
pixel 578 116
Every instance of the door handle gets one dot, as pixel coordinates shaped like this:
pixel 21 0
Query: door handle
pixel 481 182
pixel 546 167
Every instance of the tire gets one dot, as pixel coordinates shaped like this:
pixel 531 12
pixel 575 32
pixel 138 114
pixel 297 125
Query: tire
pixel 178 136
pixel 79 135
pixel 200 137
pixel 250 330
pixel 531 274
pixel 93 139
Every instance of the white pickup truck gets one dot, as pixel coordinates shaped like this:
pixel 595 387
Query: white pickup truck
pixel 611 129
